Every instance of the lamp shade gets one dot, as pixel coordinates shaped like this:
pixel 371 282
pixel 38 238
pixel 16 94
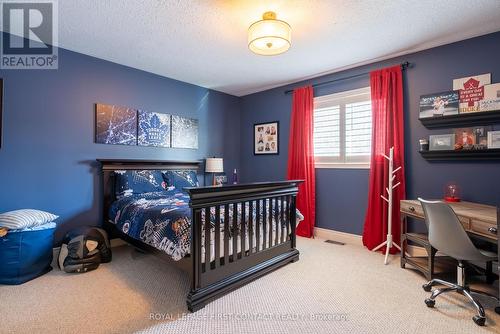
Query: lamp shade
pixel 214 165
pixel 269 36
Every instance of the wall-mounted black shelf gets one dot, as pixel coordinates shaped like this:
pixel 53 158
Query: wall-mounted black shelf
pixel 462 120
pixel 490 154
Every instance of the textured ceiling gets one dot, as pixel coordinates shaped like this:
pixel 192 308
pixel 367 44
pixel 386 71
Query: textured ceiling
pixel 204 42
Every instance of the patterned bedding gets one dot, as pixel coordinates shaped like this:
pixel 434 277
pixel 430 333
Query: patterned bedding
pixel 163 220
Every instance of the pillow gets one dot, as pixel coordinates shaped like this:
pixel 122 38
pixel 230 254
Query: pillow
pixel 138 182
pixel 25 218
pixel 178 179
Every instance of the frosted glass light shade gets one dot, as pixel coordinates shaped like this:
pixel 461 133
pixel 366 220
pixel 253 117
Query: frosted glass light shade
pixel 214 165
pixel 269 36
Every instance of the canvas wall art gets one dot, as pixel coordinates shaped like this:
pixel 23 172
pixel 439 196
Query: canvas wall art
pixel 184 132
pixel 1 110
pixel 266 138
pixel 116 125
pixel 439 104
pixel 154 129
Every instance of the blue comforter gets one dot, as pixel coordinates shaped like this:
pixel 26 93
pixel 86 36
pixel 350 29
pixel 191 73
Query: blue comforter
pixel 160 219
pixel 163 220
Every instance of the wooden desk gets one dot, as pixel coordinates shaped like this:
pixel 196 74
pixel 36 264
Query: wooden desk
pixel 477 219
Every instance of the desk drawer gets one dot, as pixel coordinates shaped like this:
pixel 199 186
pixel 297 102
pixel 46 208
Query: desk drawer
pixel 412 209
pixel 481 227
pixel 465 222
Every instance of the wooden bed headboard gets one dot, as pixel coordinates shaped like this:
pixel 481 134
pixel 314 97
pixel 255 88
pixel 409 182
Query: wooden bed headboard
pixel 109 166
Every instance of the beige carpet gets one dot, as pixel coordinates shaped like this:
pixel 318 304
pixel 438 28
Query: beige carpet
pixel 332 289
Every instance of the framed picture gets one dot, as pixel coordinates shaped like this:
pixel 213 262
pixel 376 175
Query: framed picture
pixel 442 142
pixel 491 98
pixel 439 104
pixel 494 139
pixel 472 138
pixel 220 179
pixel 115 125
pixel 266 138
pixel 1 109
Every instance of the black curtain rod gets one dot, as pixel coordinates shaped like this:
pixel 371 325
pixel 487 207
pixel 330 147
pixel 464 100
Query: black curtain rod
pixel 404 66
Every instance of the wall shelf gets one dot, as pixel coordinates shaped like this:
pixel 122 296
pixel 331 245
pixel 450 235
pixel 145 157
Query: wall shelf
pixel 462 120
pixel 490 154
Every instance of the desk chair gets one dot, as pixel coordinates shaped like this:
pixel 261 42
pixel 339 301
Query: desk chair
pixel 447 235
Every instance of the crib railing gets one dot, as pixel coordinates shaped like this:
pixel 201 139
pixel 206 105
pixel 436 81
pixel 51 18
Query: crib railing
pixel 239 232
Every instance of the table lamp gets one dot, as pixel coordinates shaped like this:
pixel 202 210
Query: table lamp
pixel 214 165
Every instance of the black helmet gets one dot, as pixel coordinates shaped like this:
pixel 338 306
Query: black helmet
pixel 83 249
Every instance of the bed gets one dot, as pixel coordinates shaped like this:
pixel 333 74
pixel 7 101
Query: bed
pixel 224 237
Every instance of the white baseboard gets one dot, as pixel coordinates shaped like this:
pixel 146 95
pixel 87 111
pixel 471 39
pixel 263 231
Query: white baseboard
pixel 348 238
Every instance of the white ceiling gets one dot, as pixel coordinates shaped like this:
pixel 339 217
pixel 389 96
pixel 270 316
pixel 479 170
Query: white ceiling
pixel 204 42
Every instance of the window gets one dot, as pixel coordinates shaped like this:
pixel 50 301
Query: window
pixel 343 129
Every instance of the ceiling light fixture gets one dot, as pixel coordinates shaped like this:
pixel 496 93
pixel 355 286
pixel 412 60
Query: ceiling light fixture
pixel 269 37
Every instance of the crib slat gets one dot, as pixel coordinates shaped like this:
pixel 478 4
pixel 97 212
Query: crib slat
pixel 207 239
pixel 226 234
pixel 277 210
pixel 288 222
pixel 235 231
pixel 250 228
pixel 243 228
pixel 264 223
pixel 196 240
pixel 282 220
pixel 271 214
pixel 293 216
pixel 217 236
pixel 257 226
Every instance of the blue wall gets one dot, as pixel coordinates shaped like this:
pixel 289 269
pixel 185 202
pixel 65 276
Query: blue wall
pixel 48 131
pixel 342 193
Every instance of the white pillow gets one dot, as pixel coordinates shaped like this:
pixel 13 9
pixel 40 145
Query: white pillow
pixel 25 218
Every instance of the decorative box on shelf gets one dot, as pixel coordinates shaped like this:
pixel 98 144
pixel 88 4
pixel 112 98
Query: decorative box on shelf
pixel 463 119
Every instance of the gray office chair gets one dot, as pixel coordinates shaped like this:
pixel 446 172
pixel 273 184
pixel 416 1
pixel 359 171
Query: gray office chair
pixel 447 235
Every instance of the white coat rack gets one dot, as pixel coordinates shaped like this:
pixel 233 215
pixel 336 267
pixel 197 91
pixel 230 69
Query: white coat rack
pixel 392 176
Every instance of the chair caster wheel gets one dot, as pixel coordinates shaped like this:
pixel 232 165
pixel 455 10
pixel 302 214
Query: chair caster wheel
pixel 497 309
pixel 430 302
pixel 480 321
pixel 427 287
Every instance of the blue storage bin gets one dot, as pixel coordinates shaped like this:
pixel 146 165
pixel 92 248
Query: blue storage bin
pixel 26 254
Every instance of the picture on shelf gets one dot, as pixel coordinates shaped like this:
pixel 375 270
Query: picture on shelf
pixel 471 138
pixel 266 138
pixel 439 104
pixel 471 91
pixel 491 100
pixel 442 142
pixel 493 139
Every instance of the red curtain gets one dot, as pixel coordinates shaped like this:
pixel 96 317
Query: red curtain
pixel 301 157
pixel 388 130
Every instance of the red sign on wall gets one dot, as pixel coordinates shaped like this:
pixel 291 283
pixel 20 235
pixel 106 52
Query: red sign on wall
pixel 471 92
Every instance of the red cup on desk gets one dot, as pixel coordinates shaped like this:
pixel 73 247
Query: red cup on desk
pixel 452 193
